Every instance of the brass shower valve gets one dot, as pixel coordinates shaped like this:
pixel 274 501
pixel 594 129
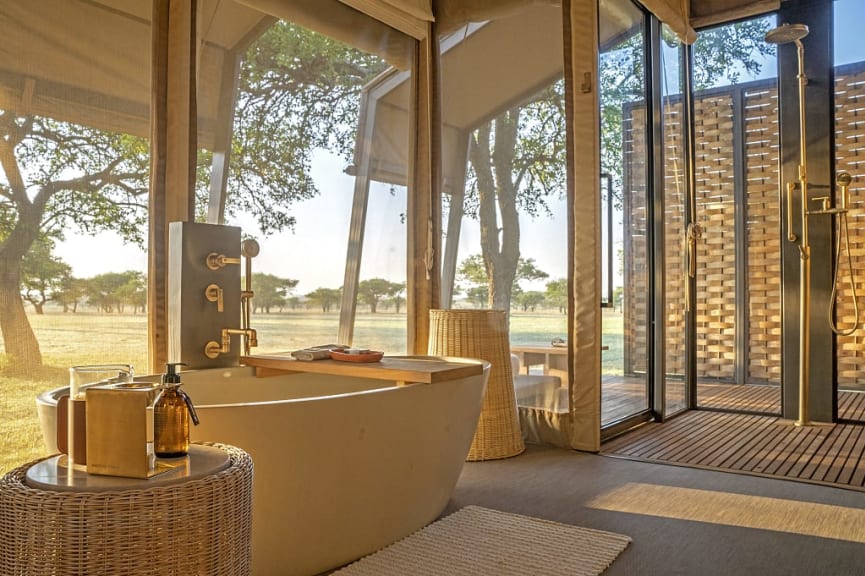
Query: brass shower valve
pixel 825 203
pixel 215 261
pixel 213 293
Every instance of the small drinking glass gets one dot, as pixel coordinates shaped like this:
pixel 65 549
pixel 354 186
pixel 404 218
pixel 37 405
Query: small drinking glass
pixel 81 378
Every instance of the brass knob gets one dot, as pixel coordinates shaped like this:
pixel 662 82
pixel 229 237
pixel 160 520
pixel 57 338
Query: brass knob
pixel 213 293
pixel 215 261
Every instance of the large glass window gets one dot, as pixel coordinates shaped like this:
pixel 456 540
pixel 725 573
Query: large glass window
pixel 849 158
pixel 325 199
pixel 505 215
pixel 74 129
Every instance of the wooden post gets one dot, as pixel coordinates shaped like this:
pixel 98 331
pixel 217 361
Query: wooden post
pixel 424 199
pixel 173 153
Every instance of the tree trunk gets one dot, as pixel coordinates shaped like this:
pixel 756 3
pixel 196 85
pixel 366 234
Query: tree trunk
pixel 39 307
pixel 19 341
pixel 500 246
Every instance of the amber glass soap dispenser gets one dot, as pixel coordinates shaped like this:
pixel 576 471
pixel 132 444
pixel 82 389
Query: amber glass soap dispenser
pixel 171 413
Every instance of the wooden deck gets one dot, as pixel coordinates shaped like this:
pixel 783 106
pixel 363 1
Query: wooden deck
pixel 831 454
pixel 622 396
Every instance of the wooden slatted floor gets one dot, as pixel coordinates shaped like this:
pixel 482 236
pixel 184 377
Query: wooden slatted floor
pixel 622 396
pixel 831 454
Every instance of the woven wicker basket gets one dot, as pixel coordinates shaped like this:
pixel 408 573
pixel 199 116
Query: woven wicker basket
pixel 483 334
pixel 201 526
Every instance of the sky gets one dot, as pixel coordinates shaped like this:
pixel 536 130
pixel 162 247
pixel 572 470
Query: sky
pixel 314 252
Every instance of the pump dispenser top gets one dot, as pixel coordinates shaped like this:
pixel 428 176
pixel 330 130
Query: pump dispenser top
pixel 171 413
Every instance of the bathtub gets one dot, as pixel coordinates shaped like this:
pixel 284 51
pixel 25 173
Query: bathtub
pixel 343 465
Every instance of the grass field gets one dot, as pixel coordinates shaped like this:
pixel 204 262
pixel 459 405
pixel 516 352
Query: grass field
pixel 87 338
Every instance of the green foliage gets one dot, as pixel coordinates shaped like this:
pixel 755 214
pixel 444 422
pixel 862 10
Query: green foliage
pixel 109 292
pixel 78 177
pixel 271 291
pixel 529 301
pixel 473 276
pixel 42 274
pixel 374 290
pixel 556 294
pixel 298 91
pixel 69 292
pixel 527 270
pixel 325 298
pixel 723 52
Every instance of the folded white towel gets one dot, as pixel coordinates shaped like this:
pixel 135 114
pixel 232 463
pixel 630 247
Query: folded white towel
pixel 311 354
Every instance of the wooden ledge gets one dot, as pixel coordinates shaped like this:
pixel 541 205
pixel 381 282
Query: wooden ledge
pixel 396 368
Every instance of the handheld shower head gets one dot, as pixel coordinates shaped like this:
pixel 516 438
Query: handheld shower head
pixel 786 33
pixel 843 179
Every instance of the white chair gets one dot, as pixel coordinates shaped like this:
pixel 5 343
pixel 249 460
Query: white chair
pixel 529 388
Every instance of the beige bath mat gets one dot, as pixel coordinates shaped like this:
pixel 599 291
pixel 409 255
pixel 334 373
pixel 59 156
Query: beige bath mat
pixel 479 541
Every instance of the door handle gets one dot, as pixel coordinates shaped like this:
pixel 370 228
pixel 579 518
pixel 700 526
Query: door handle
pixel 693 233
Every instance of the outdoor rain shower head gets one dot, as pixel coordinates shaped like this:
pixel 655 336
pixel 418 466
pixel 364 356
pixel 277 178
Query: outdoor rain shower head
pixel 786 33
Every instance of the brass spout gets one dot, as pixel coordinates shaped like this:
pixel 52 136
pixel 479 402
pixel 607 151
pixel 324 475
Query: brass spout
pixel 213 348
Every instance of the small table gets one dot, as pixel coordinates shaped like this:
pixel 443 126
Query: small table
pixel 194 519
pixel 553 359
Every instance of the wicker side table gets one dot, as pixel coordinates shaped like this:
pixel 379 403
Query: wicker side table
pixel 189 525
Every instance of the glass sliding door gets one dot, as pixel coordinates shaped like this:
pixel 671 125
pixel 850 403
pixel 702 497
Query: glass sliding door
pixel 849 157
pixel 675 195
pixel 625 136
pixel 738 291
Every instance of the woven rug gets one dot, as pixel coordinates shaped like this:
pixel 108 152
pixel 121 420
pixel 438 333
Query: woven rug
pixel 478 541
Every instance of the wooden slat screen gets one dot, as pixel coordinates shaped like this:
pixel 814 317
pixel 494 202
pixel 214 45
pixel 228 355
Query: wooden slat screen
pixel 715 165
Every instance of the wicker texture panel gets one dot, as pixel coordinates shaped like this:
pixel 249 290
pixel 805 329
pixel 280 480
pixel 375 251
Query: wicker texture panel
pixel 636 269
pixel 716 251
pixel 850 157
pixel 716 213
pixel 762 236
pixel 198 527
pixel 483 334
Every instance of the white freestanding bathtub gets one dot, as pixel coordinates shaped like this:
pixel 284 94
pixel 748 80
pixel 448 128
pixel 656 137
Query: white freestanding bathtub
pixel 343 465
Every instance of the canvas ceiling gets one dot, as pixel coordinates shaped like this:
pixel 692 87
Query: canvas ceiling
pixel 88 61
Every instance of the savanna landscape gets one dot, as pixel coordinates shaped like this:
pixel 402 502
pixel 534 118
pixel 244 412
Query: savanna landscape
pixel 88 337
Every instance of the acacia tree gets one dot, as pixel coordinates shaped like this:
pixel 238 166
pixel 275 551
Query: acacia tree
pixel 375 290
pixel 59 176
pixel 517 160
pixel 325 298
pixel 69 292
pixel 529 301
pixel 298 92
pixel 43 275
pixel 516 163
pixel 271 291
pixel 109 292
pixel 472 272
pixel 556 294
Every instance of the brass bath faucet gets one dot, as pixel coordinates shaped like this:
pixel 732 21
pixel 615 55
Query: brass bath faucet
pixel 249 249
pixel 250 340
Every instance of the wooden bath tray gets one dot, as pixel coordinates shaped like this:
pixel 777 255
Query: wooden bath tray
pixel 401 370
